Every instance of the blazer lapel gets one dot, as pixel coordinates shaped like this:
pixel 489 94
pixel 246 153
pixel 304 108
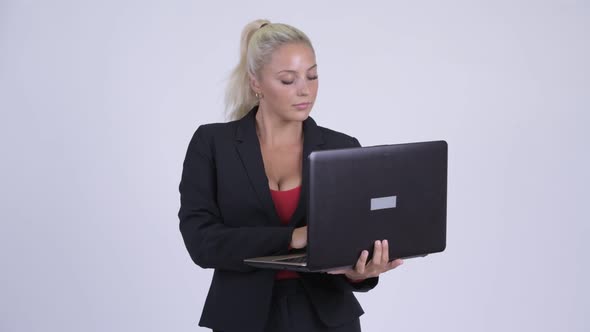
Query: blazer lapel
pixel 248 148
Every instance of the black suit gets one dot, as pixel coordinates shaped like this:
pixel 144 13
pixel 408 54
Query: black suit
pixel 227 214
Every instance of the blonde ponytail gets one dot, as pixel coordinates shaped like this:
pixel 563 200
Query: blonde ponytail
pixel 259 40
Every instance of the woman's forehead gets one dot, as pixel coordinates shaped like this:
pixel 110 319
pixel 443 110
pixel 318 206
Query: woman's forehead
pixel 292 58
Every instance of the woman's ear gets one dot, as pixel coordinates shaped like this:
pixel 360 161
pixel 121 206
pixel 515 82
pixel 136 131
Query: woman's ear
pixel 254 84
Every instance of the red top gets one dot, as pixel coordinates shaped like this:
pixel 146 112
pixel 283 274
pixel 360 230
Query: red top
pixel 286 203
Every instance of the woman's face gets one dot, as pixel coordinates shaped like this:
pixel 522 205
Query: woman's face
pixel 289 83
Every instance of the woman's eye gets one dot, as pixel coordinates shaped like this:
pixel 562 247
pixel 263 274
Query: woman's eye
pixel 291 82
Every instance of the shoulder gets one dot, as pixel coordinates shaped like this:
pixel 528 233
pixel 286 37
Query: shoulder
pixel 215 129
pixel 209 136
pixel 210 133
pixel 336 138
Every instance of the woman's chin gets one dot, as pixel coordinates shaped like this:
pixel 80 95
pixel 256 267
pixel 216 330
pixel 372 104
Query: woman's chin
pixel 301 115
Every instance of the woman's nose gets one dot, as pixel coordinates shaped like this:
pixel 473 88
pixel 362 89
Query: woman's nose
pixel 303 88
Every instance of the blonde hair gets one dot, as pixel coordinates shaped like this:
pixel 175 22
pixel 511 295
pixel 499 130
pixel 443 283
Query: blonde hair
pixel 260 38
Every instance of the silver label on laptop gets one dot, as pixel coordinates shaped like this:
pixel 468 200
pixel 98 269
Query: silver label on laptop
pixel 379 203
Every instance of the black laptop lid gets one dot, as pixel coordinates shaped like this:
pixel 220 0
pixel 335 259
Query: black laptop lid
pixel 359 195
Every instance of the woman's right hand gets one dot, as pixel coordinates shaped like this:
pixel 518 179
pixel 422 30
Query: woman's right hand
pixel 299 238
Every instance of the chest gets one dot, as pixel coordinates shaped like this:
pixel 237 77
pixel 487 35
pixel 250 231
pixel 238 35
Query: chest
pixel 283 166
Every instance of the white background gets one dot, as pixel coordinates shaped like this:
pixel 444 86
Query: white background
pixel 99 99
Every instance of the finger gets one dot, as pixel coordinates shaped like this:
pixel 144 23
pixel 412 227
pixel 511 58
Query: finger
pixel 385 255
pixel 377 253
pixel 362 262
pixel 395 263
pixel 341 271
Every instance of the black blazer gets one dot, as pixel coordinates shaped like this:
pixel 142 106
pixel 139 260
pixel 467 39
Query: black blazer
pixel 227 214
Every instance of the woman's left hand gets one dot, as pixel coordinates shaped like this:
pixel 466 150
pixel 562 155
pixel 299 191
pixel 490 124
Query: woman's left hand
pixel 378 264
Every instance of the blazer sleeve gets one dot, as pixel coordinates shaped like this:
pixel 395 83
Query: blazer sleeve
pixel 361 286
pixel 210 243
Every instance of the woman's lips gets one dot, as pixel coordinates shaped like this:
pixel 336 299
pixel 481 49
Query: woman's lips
pixel 302 106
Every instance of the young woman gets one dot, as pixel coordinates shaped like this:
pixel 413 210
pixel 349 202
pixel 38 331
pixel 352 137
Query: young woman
pixel 242 196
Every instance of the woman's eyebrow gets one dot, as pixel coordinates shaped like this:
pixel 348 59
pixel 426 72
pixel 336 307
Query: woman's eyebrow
pixel 294 71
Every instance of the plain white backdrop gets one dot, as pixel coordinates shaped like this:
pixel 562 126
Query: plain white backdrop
pixel 99 99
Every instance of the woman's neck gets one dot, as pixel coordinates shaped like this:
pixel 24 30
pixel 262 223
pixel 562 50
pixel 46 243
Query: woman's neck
pixel 274 131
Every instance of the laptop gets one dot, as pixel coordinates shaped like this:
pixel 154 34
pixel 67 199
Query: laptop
pixel 358 195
